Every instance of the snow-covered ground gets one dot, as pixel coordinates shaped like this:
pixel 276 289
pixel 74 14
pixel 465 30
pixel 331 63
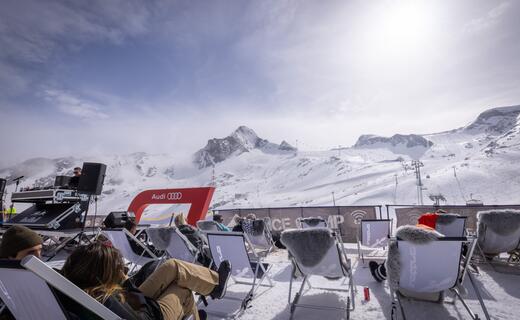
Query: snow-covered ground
pixel 501 295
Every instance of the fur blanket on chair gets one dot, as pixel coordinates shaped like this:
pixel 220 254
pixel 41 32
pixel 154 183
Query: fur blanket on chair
pixel 308 246
pixel 408 233
pixel 446 218
pixel 313 221
pixel 160 237
pixel 502 222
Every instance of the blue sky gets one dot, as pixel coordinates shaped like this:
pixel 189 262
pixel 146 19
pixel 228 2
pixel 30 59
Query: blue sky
pixel 78 78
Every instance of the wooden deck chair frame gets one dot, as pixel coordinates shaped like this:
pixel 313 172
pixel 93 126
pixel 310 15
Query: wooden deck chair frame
pixel 134 262
pixel 347 275
pixel 461 273
pixel 255 284
pixel 60 283
pixel 361 237
pixel 195 252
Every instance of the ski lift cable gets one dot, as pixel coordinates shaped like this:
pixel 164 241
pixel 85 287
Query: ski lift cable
pixel 462 193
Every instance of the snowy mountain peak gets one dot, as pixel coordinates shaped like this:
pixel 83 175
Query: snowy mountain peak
pixel 411 144
pixel 495 121
pixel 246 137
pixel 409 141
pixel 243 139
pixel 286 146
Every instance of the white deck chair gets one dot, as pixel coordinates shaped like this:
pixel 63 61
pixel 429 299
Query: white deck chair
pixel 119 239
pixel 260 236
pixel 245 270
pixel 454 228
pixel 499 232
pixel 316 252
pixel 207 225
pixel 312 222
pixel 28 296
pixel 173 243
pixel 420 275
pixel 373 234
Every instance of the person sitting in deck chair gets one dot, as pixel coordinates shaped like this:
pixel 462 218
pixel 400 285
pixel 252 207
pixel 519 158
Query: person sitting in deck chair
pixel 220 222
pixel 242 223
pixel 17 243
pixel 131 226
pixel 166 294
pixel 426 221
pixel 195 237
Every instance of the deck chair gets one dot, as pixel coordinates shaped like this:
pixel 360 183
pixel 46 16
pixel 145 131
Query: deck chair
pixel 451 225
pixel 259 233
pixel 373 234
pixel 245 270
pixel 316 252
pixel 498 231
pixel 415 270
pixel 311 222
pixel 173 243
pixel 25 290
pixel 120 240
pixel 207 225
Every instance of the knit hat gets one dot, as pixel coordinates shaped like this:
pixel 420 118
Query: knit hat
pixel 18 238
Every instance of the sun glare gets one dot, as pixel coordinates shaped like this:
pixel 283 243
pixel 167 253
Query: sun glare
pixel 401 27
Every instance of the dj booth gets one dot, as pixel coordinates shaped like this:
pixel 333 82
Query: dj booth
pixel 53 209
pixel 58 213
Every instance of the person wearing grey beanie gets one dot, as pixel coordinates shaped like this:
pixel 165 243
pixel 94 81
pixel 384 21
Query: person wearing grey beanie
pixel 19 242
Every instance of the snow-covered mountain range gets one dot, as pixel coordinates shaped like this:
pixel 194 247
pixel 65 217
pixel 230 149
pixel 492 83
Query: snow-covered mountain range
pixel 480 160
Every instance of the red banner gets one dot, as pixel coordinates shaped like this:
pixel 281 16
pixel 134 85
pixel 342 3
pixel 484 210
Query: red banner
pixel 199 198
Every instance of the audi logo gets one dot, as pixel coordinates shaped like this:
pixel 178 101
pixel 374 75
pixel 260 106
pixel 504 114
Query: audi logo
pixel 174 196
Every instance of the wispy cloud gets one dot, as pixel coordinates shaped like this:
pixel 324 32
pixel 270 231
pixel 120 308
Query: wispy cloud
pixel 322 73
pixel 74 106
pixel 31 31
pixel 487 21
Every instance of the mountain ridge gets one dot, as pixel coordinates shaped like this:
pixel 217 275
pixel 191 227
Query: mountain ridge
pixel 256 172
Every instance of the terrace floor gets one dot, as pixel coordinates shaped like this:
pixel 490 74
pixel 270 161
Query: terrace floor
pixel 501 294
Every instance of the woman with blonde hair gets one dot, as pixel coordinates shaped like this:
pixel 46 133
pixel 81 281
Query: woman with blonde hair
pixel 195 237
pixel 166 294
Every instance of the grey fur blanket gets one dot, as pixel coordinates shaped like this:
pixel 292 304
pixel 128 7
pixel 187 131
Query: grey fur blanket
pixel 160 237
pixel 502 222
pixel 446 218
pixel 308 246
pixel 408 233
pixel 312 221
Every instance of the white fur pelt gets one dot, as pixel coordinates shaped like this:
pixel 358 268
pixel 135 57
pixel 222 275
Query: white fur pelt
pixel 160 236
pixel 312 221
pixel 407 233
pixel 502 222
pixel 308 246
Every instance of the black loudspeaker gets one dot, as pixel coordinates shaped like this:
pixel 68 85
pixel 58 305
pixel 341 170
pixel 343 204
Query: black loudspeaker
pixel 3 183
pixel 117 219
pixel 61 181
pixel 92 178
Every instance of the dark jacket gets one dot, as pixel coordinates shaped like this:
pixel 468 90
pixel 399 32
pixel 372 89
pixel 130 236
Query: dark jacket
pixel 135 307
pixel 192 234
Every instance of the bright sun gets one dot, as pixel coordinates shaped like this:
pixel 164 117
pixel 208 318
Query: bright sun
pixel 401 26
